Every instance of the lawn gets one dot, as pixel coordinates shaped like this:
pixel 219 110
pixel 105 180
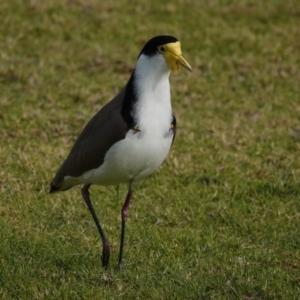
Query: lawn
pixel 220 219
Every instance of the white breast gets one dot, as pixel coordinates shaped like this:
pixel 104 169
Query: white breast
pixel 143 151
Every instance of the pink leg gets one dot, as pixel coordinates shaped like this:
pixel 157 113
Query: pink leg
pixel 124 214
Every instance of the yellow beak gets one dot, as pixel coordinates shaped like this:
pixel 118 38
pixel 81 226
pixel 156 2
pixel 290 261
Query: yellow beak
pixel 174 58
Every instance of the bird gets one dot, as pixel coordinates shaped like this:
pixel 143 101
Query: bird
pixel 130 136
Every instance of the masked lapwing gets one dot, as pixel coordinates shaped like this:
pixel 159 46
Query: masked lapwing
pixel 130 136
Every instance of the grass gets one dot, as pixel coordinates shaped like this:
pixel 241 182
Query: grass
pixel 220 219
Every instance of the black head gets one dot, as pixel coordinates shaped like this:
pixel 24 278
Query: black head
pixel 151 46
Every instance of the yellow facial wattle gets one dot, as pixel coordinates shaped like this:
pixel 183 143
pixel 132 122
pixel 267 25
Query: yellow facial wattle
pixel 173 56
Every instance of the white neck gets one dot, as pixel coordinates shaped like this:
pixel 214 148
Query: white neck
pixel 153 108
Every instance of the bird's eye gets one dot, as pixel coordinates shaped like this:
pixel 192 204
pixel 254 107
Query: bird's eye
pixel 161 49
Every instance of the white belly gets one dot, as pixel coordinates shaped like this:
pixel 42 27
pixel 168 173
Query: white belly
pixel 131 159
pixel 141 152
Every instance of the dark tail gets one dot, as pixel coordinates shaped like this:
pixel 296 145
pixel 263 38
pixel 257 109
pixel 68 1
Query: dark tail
pixel 53 187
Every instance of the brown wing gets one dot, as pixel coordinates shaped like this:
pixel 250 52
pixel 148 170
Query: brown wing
pixel 105 129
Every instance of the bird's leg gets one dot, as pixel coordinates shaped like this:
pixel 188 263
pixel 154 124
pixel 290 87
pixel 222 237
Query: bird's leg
pixel 105 250
pixel 124 215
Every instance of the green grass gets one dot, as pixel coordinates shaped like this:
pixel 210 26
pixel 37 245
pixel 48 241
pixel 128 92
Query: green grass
pixel 220 219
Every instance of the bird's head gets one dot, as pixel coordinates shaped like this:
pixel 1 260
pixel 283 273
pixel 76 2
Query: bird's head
pixel 169 47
